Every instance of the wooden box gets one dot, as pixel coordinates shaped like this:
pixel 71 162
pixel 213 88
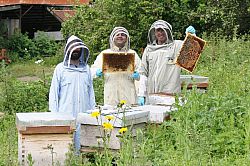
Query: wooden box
pixel 200 82
pixel 45 136
pixel 92 131
pixel 161 99
pixel 157 113
pixel 118 62
pixel 190 52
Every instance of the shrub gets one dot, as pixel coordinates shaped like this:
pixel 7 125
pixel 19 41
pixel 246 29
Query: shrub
pixel 45 45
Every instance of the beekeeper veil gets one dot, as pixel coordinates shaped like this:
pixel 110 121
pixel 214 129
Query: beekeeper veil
pixel 116 31
pixel 163 25
pixel 75 49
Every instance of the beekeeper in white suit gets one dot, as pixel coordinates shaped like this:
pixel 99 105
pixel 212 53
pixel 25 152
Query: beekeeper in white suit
pixel 118 86
pixel 158 70
pixel 71 89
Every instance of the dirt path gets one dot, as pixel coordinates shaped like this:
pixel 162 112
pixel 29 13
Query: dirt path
pixel 28 78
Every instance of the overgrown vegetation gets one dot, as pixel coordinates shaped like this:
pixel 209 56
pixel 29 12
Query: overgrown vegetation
pixel 20 47
pixel 94 23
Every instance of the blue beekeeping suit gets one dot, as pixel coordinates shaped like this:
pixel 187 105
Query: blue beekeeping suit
pixel 71 88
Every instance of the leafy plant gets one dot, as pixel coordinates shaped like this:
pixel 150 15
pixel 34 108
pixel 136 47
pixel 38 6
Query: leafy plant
pixel 21 44
pixel 30 160
pixel 45 45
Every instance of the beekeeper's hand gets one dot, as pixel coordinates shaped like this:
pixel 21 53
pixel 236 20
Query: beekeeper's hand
pixel 99 73
pixel 141 100
pixel 135 75
pixel 191 30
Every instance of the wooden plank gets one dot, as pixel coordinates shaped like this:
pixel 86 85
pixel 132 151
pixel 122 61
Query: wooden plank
pixel 198 85
pixel 47 129
pixel 87 149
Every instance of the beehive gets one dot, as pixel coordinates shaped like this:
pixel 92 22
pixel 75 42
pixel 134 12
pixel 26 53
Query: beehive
pixel 163 99
pixel 190 52
pixel 200 82
pixel 45 136
pixel 157 114
pixel 92 131
pixel 118 62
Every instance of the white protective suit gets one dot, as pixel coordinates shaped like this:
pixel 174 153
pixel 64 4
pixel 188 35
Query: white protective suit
pixel 117 86
pixel 158 71
pixel 71 88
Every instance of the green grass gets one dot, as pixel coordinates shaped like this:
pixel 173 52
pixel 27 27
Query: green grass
pixel 31 69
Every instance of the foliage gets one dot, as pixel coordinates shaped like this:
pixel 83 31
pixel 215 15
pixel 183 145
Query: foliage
pixel 26 48
pixel 16 95
pixel 8 145
pixel 45 45
pixel 94 23
pixel 3 34
pixel 99 90
pixel 21 44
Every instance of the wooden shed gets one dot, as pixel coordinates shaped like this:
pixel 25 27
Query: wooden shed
pixel 33 15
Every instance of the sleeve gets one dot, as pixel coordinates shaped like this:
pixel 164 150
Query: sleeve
pixel 144 64
pixel 137 68
pixel 143 75
pixel 91 93
pixel 97 65
pixel 54 91
pixel 137 64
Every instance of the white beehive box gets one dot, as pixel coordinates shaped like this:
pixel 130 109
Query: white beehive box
pixel 157 113
pixel 189 80
pixel 92 131
pixel 39 131
pixel 161 99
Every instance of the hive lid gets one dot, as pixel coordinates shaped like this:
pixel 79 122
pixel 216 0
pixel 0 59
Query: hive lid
pixel 135 116
pixel 190 52
pixel 37 119
pixel 194 79
pixel 118 62
pixel 154 108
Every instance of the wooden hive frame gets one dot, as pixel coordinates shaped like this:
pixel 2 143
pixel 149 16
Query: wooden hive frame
pixel 190 52
pixel 118 62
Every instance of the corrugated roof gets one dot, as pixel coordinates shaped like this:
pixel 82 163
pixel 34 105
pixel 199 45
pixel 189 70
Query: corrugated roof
pixel 42 2
pixel 62 15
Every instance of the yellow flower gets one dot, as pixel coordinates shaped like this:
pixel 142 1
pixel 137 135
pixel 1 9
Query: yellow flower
pixel 122 102
pixel 109 117
pixel 123 130
pixel 107 126
pixel 95 114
